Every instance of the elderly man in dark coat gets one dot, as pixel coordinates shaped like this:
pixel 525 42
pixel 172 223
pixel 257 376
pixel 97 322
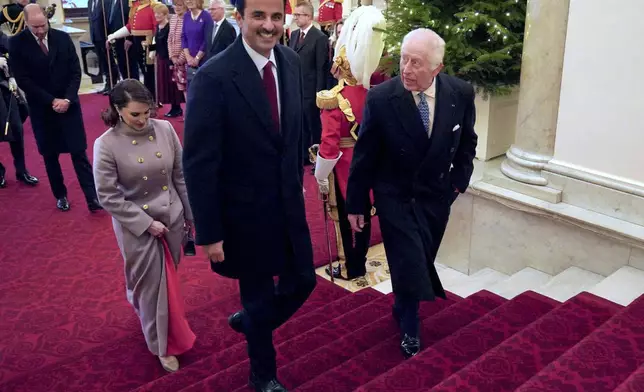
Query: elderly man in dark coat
pixel 415 151
pixel 46 67
pixel 13 112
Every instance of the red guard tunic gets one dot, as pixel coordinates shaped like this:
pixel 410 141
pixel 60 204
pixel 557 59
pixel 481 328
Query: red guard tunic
pixel 335 127
pixel 141 21
pixel 329 12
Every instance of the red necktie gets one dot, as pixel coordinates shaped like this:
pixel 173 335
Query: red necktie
pixel 271 92
pixel 43 47
pixel 300 41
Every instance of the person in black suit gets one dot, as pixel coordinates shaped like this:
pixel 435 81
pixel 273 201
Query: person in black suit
pixel 98 19
pixel 313 47
pixel 13 113
pixel 117 17
pixel 242 163
pixel 46 67
pixel 415 151
pixel 221 34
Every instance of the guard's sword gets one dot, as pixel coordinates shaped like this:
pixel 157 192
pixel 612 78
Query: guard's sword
pixel 325 203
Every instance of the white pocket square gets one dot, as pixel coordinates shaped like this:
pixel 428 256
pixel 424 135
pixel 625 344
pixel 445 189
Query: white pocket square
pixel 456 128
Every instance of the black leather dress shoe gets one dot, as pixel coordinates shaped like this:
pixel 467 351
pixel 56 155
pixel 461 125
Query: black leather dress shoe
pixel 410 346
pixel 62 204
pixel 266 386
pixel 174 113
pixel 27 178
pixel 236 321
pixel 94 206
pixel 337 273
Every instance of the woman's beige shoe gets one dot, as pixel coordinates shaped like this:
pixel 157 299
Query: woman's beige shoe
pixel 170 363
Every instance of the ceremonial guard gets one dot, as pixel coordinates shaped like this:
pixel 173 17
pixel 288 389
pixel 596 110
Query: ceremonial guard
pixel 13 113
pixel 14 15
pixel 329 12
pixel 288 20
pixel 142 26
pixel 357 56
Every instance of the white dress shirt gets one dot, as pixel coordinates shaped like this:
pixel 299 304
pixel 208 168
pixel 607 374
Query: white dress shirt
pixel 260 62
pixel 215 29
pixel 430 97
pixel 45 40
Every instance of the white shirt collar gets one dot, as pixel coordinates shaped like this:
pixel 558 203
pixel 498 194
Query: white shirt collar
pixel 306 30
pixel 218 23
pixel 259 60
pixel 44 39
pixel 430 92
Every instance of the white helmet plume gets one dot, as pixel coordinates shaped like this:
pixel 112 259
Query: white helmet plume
pixel 363 36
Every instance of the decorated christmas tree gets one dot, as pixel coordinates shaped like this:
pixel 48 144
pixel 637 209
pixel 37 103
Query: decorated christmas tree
pixel 484 38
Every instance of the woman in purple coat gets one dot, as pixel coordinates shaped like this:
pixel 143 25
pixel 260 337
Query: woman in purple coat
pixel 193 36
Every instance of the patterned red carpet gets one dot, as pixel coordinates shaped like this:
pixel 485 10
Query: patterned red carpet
pixel 65 324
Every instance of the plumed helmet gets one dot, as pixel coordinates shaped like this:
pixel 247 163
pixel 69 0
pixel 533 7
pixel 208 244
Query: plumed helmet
pixel 361 43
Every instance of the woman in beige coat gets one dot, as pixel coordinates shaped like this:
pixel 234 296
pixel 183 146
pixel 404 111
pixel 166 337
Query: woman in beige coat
pixel 139 181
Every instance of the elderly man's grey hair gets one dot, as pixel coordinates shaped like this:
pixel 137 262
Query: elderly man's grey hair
pixel 434 43
pixel 220 3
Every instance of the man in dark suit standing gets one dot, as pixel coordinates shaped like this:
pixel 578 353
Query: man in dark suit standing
pixel 98 20
pixel 415 151
pixel 242 163
pixel 222 33
pixel 47 68
pixel 13 114
pixel 313 47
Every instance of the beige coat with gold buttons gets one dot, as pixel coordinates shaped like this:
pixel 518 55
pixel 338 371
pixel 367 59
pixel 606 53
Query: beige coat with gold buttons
pixel 139 179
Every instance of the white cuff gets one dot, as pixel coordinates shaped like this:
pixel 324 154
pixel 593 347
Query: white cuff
pixel 120 33
pixel 288 19
pixel 324 167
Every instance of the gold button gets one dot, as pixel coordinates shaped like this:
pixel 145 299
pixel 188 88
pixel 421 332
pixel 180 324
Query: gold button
pixel 134 142
pixel 145 178
pixel 158 155
pixel 145 206
pixel 151 138
pixel 163 171
pixel 140 160
pixel 165 188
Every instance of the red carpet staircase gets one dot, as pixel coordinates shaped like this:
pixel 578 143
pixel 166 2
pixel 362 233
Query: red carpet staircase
pixel 349 342
pixel 480 343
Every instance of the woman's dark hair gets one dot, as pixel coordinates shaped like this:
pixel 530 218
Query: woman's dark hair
pixel 126 91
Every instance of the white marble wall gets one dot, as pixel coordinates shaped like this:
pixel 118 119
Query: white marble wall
pixel 490 231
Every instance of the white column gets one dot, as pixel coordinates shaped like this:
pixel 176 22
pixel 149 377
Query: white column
pixel 541 69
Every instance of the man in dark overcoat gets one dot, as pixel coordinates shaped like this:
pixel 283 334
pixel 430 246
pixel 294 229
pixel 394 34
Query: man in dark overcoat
pixel 46 67
pixel 415 151
pixel 99 18
pixel 13 113
pixel 242 164
pixel 313 48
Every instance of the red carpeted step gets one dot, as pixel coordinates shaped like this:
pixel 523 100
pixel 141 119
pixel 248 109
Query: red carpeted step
pixel 507 366
pixel 601 361
pixel 443 322
pixel 333 333
pixel 125 362
pixel 237 375
pixel 234 354
pixel 379 359
pixel 634 383
pixel 456 350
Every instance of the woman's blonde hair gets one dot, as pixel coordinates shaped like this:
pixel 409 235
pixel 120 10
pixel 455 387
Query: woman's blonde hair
pixel 161 8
